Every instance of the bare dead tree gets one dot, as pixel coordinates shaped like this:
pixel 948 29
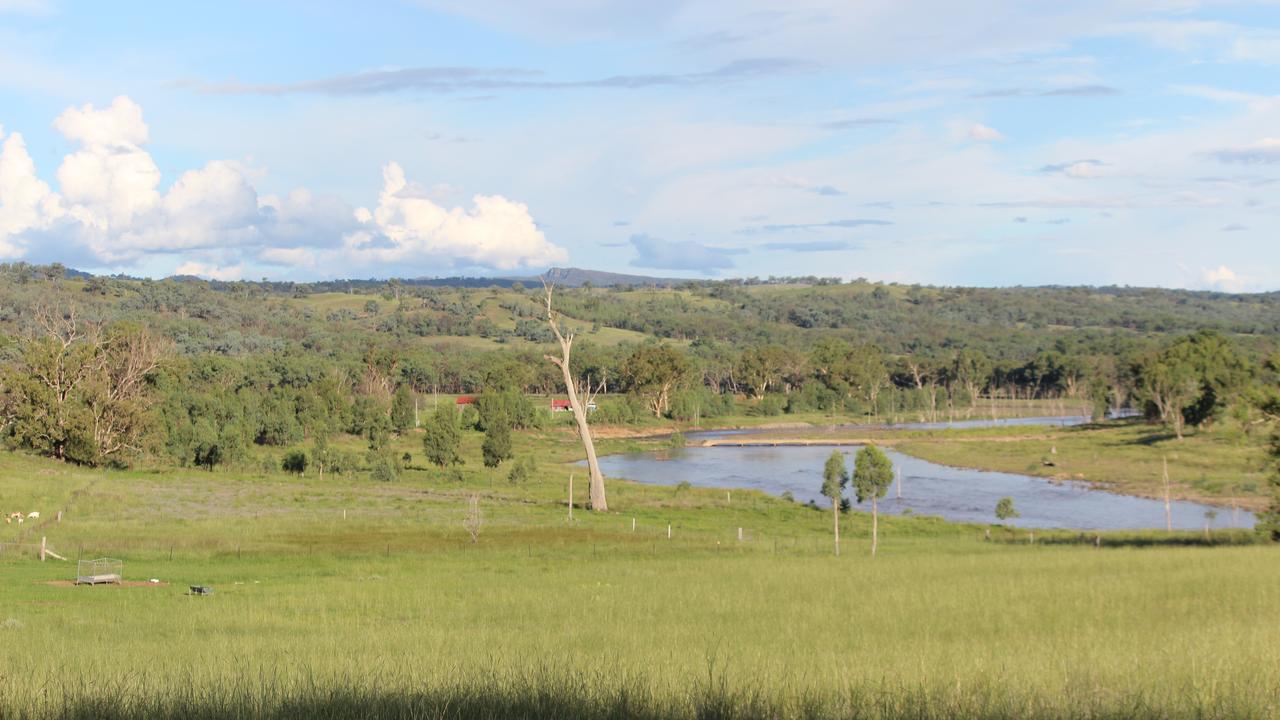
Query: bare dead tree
pixel 117 405
pixel 576 402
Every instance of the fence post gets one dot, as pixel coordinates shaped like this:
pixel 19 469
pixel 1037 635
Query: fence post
pixel 668 531
pixel 42 547
pixel 739 534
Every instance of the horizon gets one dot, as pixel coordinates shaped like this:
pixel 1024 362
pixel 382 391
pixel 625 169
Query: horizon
pixel 1094 145
pixel 633 278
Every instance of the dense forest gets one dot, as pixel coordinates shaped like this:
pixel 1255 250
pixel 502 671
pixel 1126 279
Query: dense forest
pixel 100 370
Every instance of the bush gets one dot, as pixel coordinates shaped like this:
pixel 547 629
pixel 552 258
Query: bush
pixel 769 406
pixel 521 471
pixel 383 467
pixel 295 461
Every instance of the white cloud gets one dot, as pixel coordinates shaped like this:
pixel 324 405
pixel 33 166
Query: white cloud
pixel 26 203
pixel 110 211
pixel 1223 278
pixel 984 133
pixel 211 272
pixel 407 226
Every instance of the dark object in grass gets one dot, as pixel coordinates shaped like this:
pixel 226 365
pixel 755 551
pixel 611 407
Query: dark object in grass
pixel 201 590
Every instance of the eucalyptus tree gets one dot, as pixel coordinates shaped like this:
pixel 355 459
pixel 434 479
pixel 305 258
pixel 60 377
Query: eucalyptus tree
pixel 835 476
pixel 872 476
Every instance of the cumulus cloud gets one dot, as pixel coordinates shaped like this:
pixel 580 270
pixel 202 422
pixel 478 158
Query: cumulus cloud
pixel 652 252
pixel 406 225
pixel 211 272
pixel 26 202
pixel 1222 278
pixel 984 133
pixel 110 210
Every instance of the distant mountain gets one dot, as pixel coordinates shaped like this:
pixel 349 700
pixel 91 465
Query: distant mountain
pixel 577 277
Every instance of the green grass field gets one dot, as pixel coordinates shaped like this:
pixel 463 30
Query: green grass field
pixel 394 612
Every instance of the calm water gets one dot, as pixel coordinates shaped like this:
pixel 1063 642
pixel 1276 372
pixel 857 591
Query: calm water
pixel 926 488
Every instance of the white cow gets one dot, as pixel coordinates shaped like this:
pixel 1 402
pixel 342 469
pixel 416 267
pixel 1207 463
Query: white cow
pixel 33 515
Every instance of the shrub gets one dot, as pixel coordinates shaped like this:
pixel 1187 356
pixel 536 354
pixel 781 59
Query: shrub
pixel 295 461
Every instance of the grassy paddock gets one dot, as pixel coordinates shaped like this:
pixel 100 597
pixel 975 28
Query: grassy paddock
pixel 393 612
pixel 930 629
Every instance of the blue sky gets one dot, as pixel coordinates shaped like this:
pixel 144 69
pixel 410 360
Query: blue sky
pixel 987 143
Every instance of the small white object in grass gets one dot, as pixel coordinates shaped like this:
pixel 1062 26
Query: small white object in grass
pixel 155 580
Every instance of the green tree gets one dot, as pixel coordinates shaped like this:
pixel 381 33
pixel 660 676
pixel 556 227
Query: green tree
pixel 1269 520
pixel 442 438
pixel 321 455
pixel 1190 380
pixel 652 371
pixel 1005 509
pixel 872 476
pixel 402 409
pixel 497 443
pixel 835 476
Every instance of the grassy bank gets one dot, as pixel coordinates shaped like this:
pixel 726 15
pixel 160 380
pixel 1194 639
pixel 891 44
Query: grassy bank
pixel 1221 467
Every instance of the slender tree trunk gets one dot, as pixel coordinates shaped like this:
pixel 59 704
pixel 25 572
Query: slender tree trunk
pixel 835 514
pixel 875 525
pixel 598 502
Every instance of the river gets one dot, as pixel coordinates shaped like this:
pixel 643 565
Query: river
pixel 924 488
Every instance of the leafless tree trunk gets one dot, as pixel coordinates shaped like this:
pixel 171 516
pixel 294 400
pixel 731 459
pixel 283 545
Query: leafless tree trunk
pixel 835 513
pixel 598 502
pixel 875 525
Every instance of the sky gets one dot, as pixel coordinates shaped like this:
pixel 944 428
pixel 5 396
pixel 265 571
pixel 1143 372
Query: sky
pixel 991 143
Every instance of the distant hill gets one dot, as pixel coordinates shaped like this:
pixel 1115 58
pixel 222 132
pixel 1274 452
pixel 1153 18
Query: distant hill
pixel 577 277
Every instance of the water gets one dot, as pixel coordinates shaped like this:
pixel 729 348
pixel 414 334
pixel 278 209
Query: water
pixel 956 494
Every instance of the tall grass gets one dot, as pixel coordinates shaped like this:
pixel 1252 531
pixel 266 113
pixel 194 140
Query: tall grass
pixel 394 613
pixel 923 631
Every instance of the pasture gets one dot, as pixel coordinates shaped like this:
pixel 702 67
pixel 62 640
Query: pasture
pixel 394 612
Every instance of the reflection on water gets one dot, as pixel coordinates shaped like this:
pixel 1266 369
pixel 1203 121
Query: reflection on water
pixel 926 488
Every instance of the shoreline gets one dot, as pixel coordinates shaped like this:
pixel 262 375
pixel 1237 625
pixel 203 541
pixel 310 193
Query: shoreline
pixel 1248 503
